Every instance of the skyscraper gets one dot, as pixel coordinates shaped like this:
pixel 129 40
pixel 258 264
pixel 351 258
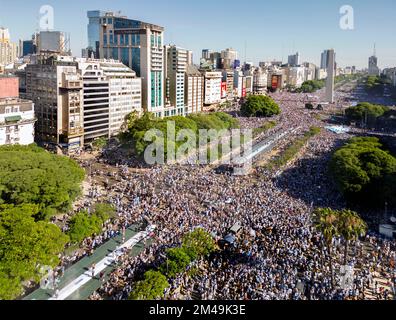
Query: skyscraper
pixel 373 69
pixel 294 59
pixel 8 50
pixel 94 32
pixel 138 45
pixel 206 54
pixel 330 76
pixel 176 61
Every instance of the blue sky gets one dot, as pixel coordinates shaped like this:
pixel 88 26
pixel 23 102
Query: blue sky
pixel 270 29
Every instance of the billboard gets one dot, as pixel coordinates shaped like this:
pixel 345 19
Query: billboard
pixel 275 81
pixel 224 89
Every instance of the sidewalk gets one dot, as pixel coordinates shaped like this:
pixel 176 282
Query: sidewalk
pixel 77 282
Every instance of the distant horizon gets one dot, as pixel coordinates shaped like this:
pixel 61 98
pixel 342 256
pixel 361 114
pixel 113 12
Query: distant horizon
pixel 312 28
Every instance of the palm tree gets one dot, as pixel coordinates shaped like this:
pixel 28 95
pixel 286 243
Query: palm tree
pixel 325 221
pixel 351 227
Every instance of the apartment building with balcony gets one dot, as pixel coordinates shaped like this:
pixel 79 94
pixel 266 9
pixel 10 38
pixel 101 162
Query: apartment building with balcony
pixel 55 86
pixel 16 121
pixel 194 90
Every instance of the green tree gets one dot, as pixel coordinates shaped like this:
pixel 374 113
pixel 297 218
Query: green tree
pixel 326 222
pixel 365 112
pixel 363 171
pixel 198 243
pixel 177 262
pixel 84 225
pixel 350 227
pixel 25 245
pixel 32 175
pixel 259 106
pixel 151 288
pixel 105 211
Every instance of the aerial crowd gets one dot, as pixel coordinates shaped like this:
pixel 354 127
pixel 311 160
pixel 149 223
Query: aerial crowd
pixel 278 255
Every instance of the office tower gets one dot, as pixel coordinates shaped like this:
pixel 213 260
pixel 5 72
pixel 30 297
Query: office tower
pixel 206 54
pixel 215 59
pixel 294 59
pixel 212 87
pixel 28 47
pixel 8 49
pixel 228 57
pixel 94 25
pixel 373 69
pixel 260 80
pixel 138 45
pixel 194 90
pixel 330 76
pixel 176 62
pixel 190 59
pixel 55 86
pixel 324 59
pixel 228 78
pixel 111 91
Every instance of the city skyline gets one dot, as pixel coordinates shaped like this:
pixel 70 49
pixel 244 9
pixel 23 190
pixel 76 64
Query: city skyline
pixel 353 47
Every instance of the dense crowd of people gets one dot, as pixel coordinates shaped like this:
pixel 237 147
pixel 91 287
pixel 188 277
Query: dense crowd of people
pixel 279 255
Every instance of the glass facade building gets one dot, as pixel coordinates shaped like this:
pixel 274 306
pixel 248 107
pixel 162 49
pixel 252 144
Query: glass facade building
pixel 138 45
pixel 94 24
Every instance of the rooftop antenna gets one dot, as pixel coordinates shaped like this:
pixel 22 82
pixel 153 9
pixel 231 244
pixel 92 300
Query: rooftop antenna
pixel 375 50
pixel 245 50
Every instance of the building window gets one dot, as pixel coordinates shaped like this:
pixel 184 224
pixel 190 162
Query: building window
pixel 125 56
pixel 114 53
pixel 136 60
pixel 105 39
pixel 8 110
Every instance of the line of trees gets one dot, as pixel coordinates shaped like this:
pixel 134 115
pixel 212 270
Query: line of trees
pixel 311 86
pixel 35 185
pixel 366 113
pixel 293 148
pixel 137 127
pixel 195 245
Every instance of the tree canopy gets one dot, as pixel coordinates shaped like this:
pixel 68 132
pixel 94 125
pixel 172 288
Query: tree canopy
pixel 30 174
pixel 260 106
pixel 311 86
pixel 365 172
pixel 25 246
pixel 84 225
pixel 198 243
pixel 365 111
pixel 375 84
pixel 151 288
pixel 138 127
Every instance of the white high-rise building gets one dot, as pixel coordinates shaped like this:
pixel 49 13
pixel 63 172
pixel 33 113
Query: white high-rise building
pixel 176 62
pixel 212 87
pixel 194 90
pixel 8 50
pixel 111 91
